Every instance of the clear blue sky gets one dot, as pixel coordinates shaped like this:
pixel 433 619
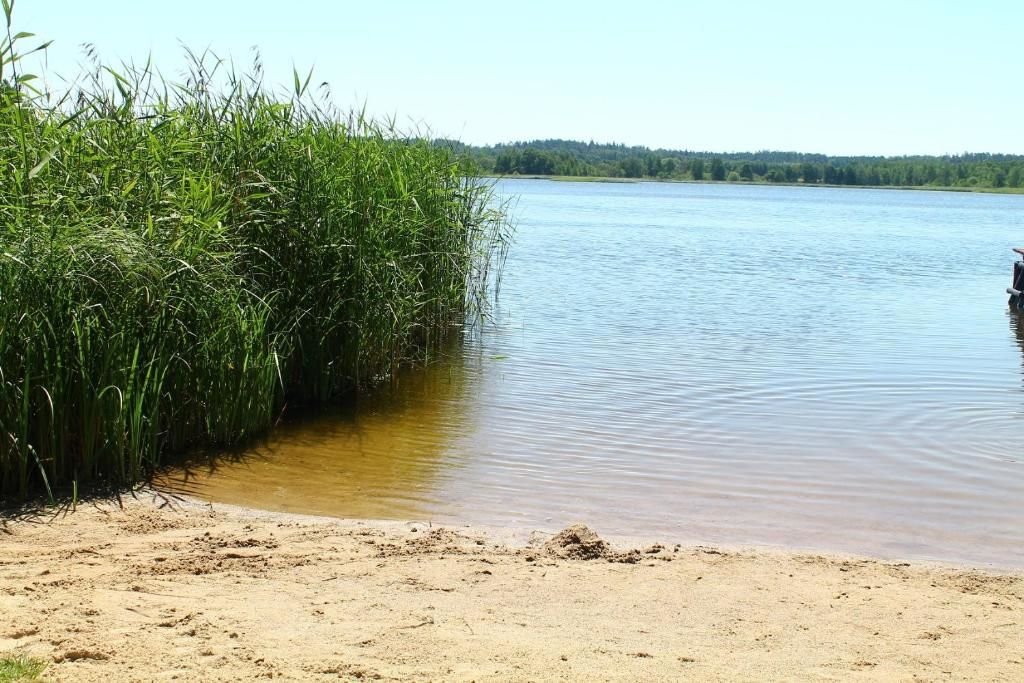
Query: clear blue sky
pixel 862 77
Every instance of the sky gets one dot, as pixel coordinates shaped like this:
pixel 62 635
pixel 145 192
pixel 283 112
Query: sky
pixel 893 77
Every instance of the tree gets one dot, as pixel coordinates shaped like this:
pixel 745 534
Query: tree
pixel 568 157
pixel 506 162
pixel 697 169
pixel 653 165
pixel 534 162
pixel 717 169
pixel 1012 178
pixel 632 167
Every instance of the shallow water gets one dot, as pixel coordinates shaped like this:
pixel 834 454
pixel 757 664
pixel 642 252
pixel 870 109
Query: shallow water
pixel 818 368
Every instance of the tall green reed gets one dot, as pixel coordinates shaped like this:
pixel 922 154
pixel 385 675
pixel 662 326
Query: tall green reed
pixel 179 260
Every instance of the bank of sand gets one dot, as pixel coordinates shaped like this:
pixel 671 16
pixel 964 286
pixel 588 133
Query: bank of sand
pixel 190 592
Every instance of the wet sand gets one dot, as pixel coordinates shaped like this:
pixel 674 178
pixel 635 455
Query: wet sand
pixel 192 592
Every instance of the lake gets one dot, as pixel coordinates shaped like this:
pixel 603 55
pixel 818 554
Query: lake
pixel 816 368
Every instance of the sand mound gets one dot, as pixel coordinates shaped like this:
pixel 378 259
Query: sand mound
pixel 580 542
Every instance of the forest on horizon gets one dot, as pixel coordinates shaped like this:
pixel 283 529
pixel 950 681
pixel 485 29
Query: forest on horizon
pixel 589 159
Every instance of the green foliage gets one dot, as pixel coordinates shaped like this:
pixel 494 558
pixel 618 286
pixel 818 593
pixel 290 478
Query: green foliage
pixel 809 173
pixel 20 669
pixel 530 161
pixel 178 261
pixel 633 167
pixel 569 158
pixel 697 169
pixel 717 169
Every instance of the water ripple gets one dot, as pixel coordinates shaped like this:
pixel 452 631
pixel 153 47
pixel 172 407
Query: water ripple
pixel 829 369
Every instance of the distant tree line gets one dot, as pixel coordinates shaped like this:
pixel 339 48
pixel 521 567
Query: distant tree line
pixel 572 158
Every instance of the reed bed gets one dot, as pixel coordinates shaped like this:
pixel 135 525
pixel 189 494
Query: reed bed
pixel 180 260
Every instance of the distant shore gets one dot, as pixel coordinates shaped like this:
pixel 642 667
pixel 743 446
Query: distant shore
pixel 611 179
pixel 173 588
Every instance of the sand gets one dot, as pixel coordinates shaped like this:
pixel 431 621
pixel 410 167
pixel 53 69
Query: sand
pixel 192 592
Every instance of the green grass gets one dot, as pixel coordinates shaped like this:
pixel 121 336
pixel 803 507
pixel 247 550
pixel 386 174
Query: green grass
pixel 20 669
pixel 179 261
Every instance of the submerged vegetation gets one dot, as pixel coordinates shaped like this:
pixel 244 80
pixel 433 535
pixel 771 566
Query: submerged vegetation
pixel 581 159
pixel 180 260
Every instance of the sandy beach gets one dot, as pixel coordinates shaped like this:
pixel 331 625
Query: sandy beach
pixel 178 590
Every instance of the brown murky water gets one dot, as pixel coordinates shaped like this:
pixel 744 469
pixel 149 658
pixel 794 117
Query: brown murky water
pixel 817 368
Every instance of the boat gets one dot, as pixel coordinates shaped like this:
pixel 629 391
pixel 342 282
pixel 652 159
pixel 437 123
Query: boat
pixel 1016 288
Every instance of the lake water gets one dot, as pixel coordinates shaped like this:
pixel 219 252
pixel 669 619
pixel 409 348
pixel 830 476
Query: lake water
pixel 810 367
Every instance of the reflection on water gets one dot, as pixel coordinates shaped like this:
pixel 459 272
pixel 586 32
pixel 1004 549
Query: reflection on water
pixel 1016 319
pixel 821 368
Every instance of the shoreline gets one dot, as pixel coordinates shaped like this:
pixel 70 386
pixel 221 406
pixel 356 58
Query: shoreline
pixel 172 588
pixel 518 535
pixel 681 181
